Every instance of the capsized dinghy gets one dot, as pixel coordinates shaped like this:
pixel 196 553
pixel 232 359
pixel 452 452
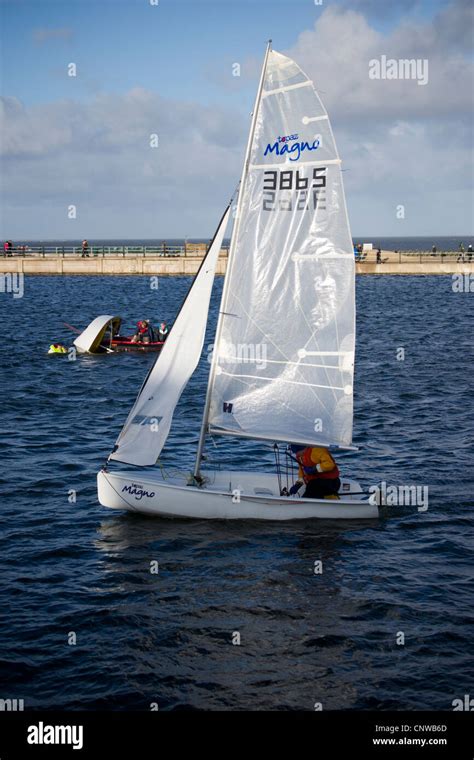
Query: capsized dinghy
pixel 289 298
pixel 103 336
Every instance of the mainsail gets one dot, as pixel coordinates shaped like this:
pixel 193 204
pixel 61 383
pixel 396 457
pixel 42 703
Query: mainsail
pixel 146 429
pixel 284 354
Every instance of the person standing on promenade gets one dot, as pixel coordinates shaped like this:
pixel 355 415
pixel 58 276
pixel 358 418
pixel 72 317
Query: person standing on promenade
pixel 85 249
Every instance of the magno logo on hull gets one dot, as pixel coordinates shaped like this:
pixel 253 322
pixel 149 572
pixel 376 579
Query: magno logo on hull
pixel 138 491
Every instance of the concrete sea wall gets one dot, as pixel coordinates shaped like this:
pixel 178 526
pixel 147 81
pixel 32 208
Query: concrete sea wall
pixel 188 265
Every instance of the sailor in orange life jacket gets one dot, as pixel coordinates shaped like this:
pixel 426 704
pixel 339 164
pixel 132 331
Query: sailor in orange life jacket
pixel 317 469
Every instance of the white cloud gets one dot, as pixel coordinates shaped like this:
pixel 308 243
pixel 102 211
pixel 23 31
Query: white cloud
pixel 97 155
pixel 337 51
pixel 401 143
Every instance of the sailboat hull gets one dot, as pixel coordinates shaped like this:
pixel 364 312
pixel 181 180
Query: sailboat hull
pixel 226 496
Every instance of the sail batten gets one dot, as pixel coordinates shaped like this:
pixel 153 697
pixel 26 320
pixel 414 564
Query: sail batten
pixel 266 94
pixel 315 162
pixel 289 294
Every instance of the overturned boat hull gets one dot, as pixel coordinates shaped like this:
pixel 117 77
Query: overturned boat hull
pixel 226 495
pixel 102 336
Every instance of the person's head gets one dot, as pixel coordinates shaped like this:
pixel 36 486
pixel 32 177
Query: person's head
pixel 163 326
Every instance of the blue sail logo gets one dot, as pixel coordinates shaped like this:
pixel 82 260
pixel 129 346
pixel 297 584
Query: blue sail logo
pixel 282 146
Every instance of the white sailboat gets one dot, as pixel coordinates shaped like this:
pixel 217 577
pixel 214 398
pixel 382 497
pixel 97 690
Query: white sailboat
pixel 289 298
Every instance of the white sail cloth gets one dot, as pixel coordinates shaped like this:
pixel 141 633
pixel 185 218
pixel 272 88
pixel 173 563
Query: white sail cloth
pixel 283 363
pixel 146 429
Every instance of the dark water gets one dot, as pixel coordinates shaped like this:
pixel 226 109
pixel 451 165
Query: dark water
pixel 166 638
pixel 446 243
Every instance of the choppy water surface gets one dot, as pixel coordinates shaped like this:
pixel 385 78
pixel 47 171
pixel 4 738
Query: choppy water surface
pixel 166 637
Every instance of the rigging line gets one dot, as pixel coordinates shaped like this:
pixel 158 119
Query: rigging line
pixel 277 463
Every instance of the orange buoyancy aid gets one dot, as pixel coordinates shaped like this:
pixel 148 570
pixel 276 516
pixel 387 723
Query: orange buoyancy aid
pixel 319 461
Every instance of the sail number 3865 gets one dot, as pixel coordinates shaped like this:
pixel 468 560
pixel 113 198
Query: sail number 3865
pixel 307 191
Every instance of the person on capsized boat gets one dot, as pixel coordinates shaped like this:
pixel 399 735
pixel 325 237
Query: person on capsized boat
pixel 163 331
pixel 317 470
pixel 143 332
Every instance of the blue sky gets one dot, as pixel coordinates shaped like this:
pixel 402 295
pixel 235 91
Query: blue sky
pixel 170 48
pixel 144 67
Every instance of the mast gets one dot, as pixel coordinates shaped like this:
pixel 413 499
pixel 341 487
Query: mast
pixel 230 261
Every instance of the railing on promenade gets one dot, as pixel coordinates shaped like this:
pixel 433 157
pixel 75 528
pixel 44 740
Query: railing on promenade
pixel 190 249
pixel 421 257
pixel 199 249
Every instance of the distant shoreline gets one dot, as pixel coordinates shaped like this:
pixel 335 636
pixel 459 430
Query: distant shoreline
pixel 389 242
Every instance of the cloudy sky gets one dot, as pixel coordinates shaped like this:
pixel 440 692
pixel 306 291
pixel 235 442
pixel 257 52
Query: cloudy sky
pixel 168 69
